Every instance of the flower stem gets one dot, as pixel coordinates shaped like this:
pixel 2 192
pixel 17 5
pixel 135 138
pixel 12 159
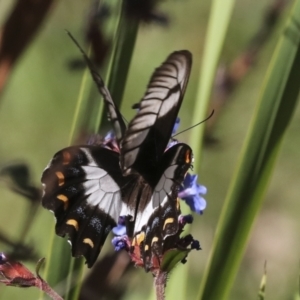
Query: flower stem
pixel 160 283
pixel 45 287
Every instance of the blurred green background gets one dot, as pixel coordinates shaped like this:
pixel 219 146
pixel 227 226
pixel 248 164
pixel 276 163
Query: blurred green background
pixel 37 108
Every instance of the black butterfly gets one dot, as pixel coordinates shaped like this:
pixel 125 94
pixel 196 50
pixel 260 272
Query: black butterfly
pixel 133 175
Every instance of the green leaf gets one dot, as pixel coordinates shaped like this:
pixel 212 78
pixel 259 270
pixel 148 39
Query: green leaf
pixel 120 63
pixel 219 19
pixel 38 266
pixel 124 45
pixel 297 295
pixel 60 264
pixel 171 258
pixel 274 111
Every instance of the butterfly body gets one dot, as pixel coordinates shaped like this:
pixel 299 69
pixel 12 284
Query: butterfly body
pixel 132 175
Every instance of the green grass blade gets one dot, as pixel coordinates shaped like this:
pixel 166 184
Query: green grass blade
pixel 125 42
pixel 59 251
pixel 120 63
pixel 68 271
pixel 297 295
pixel 79 106
pixel 126 38
pixel 74 281
pixel 217 27
pixel 275 108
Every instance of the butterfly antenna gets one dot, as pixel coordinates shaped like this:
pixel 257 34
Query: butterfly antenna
pixel 114 113
pixel 211 114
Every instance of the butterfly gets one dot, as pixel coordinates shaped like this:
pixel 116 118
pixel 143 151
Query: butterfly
pixel 132 174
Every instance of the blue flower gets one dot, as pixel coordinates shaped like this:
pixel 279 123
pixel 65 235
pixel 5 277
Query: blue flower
pixel 120 242
pixel 109 136
pixel 171 144
pixel 195 245
pixel 176 125
pixel 3 258
pixel 120 229
pixel 191 192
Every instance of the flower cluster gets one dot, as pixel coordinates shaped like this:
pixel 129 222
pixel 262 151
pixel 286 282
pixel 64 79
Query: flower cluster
pixel 14 273
pixel 191 192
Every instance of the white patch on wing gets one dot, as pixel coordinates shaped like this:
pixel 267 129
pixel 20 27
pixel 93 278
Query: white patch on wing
pixel 91 186
pixel 93 172
pixel 163 182
pixel 157 93
pixel 143 121
pixel 143 217
pixel 169 103
pixel 181 73
pixel 101 189
pixel 132 138
pixel 126 211
pixel 151 105
pixel 164 185
pixel 92 162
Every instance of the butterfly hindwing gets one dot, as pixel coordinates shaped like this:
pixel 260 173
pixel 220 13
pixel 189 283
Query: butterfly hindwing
pixel 160 219
pixel 82 188
pixel 174 165
pixel 149 132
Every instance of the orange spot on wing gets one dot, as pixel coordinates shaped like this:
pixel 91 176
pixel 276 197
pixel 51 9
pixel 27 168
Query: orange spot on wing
pixel 65 199
pixel 138 239
pixel 177 204
pixel 188 156
pixel 155 239
pixel 73 223
pixel 89 242
pixel 61 178
pixel 66 157
pixel 168 221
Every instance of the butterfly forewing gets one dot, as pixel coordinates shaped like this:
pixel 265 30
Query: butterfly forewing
pixel 149 132
pixel 113 112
